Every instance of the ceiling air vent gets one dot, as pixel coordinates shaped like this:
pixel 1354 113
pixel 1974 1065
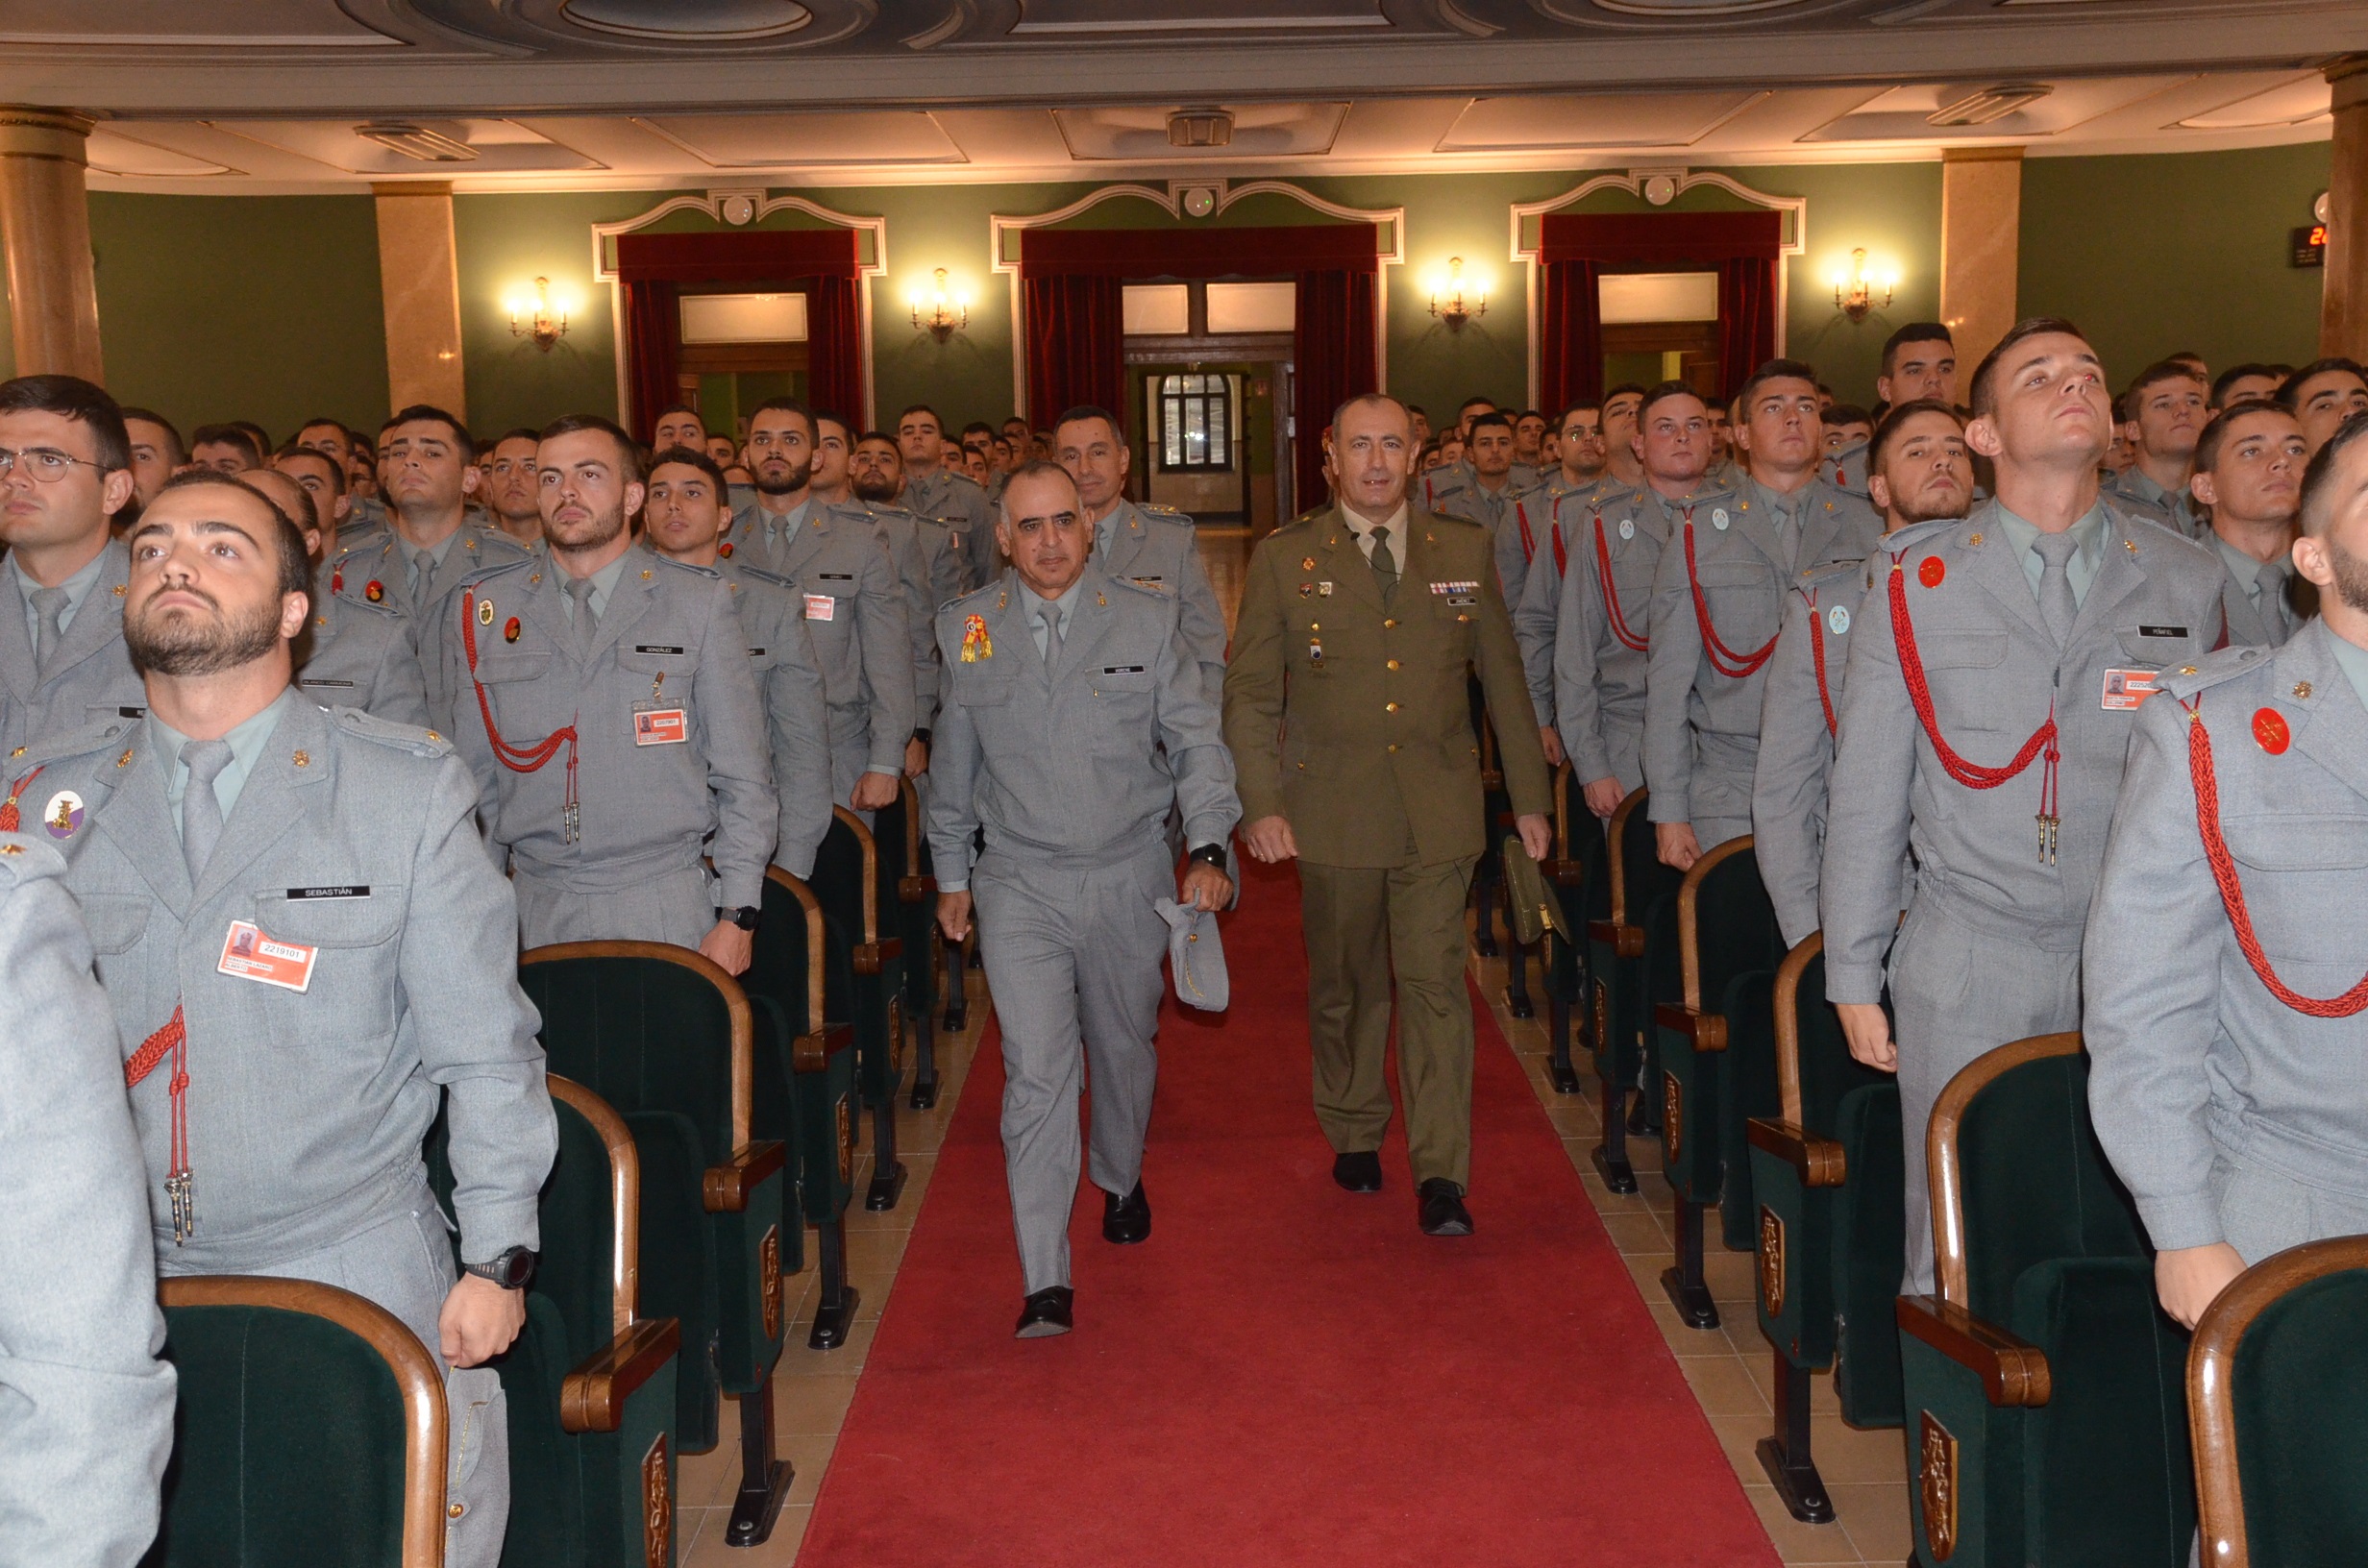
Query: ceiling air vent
pixel 1986 104
pixel 416 141
pixel 1200 128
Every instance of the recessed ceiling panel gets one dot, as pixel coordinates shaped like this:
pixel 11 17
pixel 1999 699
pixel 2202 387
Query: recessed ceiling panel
pixel 312 24
pixel 713 21
pixel 764 141
pixel 1140 133
pixel 2290 103
pixel 1905 114
pixel 1135 16
pixel 1579 122
pixel 500 146
pixel 114 154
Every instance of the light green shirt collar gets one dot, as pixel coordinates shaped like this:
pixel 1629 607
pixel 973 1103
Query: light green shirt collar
pixel 603 583
pixel 2087 559
pixel 247 743
pixel 781 528
pixel 2354 660
pixel 77 588
pixel 1038 608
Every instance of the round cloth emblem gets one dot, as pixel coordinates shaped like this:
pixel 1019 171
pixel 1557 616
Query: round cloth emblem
pixel 485 612
pixel 63 817
pixel 1627 528
pixel 1931 570
pixel 510 629
pixel 2269 728
pixel 1718 519
pixel 374 591
pixel 1838 618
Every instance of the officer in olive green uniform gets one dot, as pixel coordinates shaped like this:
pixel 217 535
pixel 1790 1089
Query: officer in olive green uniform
pixel 1348 712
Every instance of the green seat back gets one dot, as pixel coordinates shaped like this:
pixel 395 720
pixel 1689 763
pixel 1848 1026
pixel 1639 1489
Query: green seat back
pixel 1735 926
pixel 1643 877
pixel 2036 1182
pixel 1829 1072
pixel 644 1034
pixel 680 1276
pixel 2300 1389
pixel 546 1501
pixel 1869 1256
pixel 288 1444
pixel 779 957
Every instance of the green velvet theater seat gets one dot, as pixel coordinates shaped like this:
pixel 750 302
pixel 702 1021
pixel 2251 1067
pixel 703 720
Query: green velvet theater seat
pixel 915 923
pixel 2277 1384
pixel 855 879
pixel 311 1429
pixel 1619 1008
pixel 2044 1388
pixel 659 1031
pixel 1727 949
pixel 1826 1179
pixel 1579 877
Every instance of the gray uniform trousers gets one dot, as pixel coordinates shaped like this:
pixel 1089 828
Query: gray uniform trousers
pixel 1072 958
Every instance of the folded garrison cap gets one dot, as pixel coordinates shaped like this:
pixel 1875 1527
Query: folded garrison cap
pixel 1196 958
pixel 1529 906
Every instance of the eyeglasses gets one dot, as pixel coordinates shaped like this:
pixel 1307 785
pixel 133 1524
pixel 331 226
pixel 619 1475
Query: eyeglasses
pixel 46 464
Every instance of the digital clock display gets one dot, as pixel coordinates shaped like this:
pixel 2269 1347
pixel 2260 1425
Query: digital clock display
pixel 2311 245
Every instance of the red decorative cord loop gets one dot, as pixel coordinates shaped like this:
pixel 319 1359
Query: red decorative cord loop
pixel 172 1040
pixel 1529 545
pixel 2233 891
pixel 519 759
pixel 1816 650
pixel 9 815
pixel 1723 659
pixel 1610 595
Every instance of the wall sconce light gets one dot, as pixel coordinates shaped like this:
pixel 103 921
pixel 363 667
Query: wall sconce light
pixel 1854 291
pixel 1447 300
pixel 945 314
pixel 544 324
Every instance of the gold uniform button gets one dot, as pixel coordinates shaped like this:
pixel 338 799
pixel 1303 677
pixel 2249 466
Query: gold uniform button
pixel 1389 708
pixel 1389 626
pixel 1393 664
pixel 1394 745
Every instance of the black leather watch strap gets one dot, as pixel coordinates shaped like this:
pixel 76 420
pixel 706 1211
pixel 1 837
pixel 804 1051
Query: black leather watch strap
pixel 1209 854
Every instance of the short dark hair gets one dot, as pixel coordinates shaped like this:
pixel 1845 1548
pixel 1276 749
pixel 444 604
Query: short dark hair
pixel 518 433
pixel 1848 413
pixel 680 408
pixel 784 406
pixel 428 413
pixel 2155 374
pixel 1984 391
pixel 2290 390
pixel 1033 468
pixel 1585 405
pixel 1888 432
pixel 260 435
pixel 1087 411
pixel 1666 390
pixel 149 416
pixel 1475 398
pixel 692 457
pixel 295 562
pixel 336 469
pixel 881 435
pixel 829 416
pixel 336 424
pixel 2217 429
pixel 2230 377
pixel 2319 479
pixel 1915 331
pixel 912 408
pixel 1493 417
pixel 1625 389
pixel 1777 370
pixel 977 427
pixel 227 436
pixel 571 424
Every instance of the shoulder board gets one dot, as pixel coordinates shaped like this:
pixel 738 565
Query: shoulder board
pixel 2213 669
pixel 707 572
pixel 1831 574
pixel 487 571
pixel 770 579
pixel 24 860
pixel 961 479
pixel 89 740
pixel 976 598
pixel 1164 514
pixel 1918 533
pixel 1441 520
pixel 358 602
pixel 419 743
pixel 1130 585
pixel 2129 505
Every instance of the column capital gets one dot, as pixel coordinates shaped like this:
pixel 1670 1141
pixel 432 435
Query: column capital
pixel 29 131
pixel 2348 75
pixel 1981 155
pixel 411 188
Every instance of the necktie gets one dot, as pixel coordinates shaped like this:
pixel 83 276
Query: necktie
pixel 423 573
pixel 1385 565
pixel 201 813
pixel 2057 608
pixel 1051 619
pixel 49 604
pixel 580 616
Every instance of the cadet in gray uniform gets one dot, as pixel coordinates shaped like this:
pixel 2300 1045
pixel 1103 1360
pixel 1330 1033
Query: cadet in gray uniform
pixel 919 549
pixel 1152 546
pixel 1719 601
pixel 1849 431
pixel 2044 599
pixel 1480 489
pixel 62 664
pixel 612 720
pixel 933 489
pixel 156 451
pixel 2168 404
pixel 86 1404
pixel 683 518
pixel 353 654
pixel 1921 472
pixel 2249 471
pixel 1603 624
pixel 1066 683
pixel 2225 1074
pixel 855 608
pixel 307 951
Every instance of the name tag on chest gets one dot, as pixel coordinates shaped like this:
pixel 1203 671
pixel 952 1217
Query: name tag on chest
pixel 821 608
pixel 247 954
pixel 661 727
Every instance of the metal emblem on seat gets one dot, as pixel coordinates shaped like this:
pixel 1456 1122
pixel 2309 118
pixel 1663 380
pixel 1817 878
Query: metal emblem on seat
pixel 1937 1485
pixel 1602 1040
pixel 657 1508
pixel 1672 1109
pixel 1772 1261
pixel 768 1266
pixel 847 1141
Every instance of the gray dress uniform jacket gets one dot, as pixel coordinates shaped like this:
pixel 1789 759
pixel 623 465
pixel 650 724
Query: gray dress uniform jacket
pixel 855 612
pixel 2265 601
pixel 958 501
pixel 1561 532
pixel 900 536
pixel 90 676
pixel 2232 1116
pixel 2175 510
pixel 1599 667
pixel 380 562
pixel 670 746
pixel 789 679
pixel 1156 548
pixel 356 839
pixel 85 1407
pixel 1456 491
pixel 357 654
pixel 1702 726
pixel 1845 469
pixel 1799 712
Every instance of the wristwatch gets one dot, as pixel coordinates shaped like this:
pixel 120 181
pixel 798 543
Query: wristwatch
pixel 510 1268
pixel 1209 854
pixel 745 916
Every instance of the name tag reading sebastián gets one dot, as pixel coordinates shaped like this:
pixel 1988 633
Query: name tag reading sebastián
pixel 661 727
pixel 247 954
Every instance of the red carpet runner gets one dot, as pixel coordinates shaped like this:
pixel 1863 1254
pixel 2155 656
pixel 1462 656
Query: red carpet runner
pixel 1285 1373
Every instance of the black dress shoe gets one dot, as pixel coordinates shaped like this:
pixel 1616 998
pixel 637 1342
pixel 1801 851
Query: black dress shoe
pixel 1125 1220
pixel 1045 1314
pixel 1442 1208
pixel 1358 1172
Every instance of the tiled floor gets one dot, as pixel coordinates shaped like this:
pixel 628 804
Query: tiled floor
pixel 1728 1367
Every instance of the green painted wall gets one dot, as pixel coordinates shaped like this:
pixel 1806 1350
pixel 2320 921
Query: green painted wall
pixel 2156 255
pixel 261 307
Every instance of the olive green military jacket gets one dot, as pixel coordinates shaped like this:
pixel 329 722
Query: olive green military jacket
pixel 1353 719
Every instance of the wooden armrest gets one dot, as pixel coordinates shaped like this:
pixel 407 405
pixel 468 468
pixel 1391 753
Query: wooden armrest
pixel 592 1397
pixel 2014 1371
pixel 1564 873
pixel 1625 941
pixel 870 956
pixel 1707 1030
pixel 913 890
pixel 725 1189
pixel 812 1053
pixel 1818 1160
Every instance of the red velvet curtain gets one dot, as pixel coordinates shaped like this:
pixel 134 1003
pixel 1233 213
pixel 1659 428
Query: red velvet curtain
pixel 1741 247
pixel 1076 352
pixel 1332 346
pixel 820 263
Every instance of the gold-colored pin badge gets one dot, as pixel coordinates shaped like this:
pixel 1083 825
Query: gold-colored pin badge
pixel 485 612
pixel 2302 690
pixel 303 759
